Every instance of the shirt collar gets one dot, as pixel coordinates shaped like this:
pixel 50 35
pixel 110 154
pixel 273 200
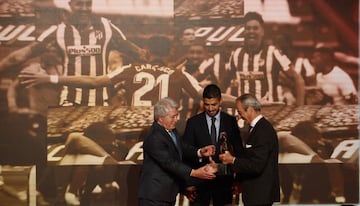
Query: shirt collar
pixel 217 116
pixel 163 127
pixel 255 120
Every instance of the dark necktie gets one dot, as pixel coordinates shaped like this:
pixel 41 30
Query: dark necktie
pixel 247 134
pixel 250 129
pixel 213 130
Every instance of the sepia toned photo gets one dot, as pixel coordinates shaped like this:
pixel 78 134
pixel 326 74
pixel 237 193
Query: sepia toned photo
pixel 81 83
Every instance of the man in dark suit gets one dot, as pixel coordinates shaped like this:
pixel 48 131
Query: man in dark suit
pixel 163 171
pixel 211 127
pixel 258 166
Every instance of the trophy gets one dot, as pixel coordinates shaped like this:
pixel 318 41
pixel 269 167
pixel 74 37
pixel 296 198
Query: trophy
pixel 224 147
pixel 223 143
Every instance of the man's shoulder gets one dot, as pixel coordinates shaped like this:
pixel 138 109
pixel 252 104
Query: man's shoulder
pixel 154 130
pixel 263 122
pixel 197 117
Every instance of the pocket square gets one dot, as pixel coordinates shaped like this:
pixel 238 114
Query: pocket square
pixel 248 145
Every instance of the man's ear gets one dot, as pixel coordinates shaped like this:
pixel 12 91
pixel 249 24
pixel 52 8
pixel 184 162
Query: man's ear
pixel 160 119
pixel 250 109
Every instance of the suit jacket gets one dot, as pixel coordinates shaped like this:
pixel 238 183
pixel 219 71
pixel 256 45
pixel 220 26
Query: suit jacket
pixel 162 171
pixel 258 166
pixel 197 134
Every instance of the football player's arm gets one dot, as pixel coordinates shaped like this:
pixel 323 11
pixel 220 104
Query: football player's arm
pixel 192 88
pixel 299 85
pixel 22 55
pixel 77 143
pixel 131 48
pixel 290 73
pixel 126 46
pixel 85 81
pixel 33 49
pixel 345 58
pixel 32 79
pixel 289 143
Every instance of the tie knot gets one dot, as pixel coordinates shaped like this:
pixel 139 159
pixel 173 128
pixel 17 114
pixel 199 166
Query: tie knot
pixel 213 119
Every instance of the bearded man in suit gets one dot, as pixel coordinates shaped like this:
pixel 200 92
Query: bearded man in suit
pixel 215 127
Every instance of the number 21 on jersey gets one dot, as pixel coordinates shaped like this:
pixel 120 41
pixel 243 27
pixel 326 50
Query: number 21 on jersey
pixel 151 82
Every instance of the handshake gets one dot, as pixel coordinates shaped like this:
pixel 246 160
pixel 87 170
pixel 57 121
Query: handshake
pixel 207 171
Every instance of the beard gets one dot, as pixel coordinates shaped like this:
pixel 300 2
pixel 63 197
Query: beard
pixel 191 68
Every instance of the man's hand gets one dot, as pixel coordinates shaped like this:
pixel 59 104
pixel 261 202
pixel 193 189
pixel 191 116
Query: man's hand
pixel 212 166
pixel 30 79
pixel 207 151
pixel 227 158
pixel 204 172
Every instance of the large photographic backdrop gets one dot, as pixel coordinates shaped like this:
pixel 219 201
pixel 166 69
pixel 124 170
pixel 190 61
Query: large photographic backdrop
pixel 319 141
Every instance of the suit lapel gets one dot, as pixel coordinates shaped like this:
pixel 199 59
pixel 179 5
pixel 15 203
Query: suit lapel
pixel 169 139
pixel 255 128
pixel 204 126
pixel 222 123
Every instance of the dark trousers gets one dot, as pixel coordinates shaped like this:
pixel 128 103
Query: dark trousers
pixel 148 202
pixel 218 191
pixel 259 205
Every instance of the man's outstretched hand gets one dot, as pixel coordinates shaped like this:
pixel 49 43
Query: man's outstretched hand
pixel 207 151
pixel 30 79
pixel 205 172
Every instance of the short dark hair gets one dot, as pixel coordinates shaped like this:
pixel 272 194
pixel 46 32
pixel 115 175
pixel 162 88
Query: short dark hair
pixel 326 52
pixel 252 15
pixel 322 47
pixel 212 91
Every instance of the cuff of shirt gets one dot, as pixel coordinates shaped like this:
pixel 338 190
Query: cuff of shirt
pixel 199 153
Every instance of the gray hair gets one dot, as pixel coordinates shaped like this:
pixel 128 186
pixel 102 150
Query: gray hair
pixel 163 106
pixel 248 100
